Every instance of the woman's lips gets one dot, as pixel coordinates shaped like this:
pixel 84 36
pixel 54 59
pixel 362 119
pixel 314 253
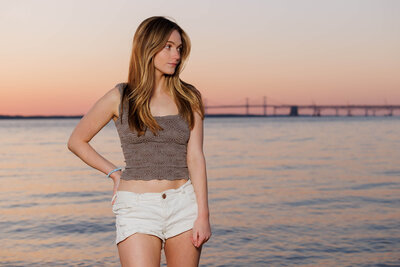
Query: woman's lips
pixel 172 64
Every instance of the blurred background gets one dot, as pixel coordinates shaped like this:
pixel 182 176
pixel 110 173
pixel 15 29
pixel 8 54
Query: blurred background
pixel 283 191
pixel 292 52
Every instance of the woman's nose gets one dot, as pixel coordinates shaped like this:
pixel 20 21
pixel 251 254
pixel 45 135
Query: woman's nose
pixel 176 55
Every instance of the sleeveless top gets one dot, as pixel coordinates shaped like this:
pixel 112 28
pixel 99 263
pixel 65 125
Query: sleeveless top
pixel 150 157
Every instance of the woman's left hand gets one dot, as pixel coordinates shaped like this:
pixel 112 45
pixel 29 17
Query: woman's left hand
pixel 116 179
pixel 201 231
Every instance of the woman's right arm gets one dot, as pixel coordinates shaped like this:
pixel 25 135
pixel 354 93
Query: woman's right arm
pixel 91 123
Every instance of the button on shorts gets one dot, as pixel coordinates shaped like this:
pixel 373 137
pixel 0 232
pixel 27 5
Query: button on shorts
pixel 163 214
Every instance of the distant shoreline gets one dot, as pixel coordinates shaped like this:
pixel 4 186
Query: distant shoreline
pixel 9 117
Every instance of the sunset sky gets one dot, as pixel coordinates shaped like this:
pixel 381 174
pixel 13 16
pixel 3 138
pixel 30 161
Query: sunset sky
pixel 59 57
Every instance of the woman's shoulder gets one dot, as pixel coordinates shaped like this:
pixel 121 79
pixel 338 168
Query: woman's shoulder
pixel 119 89
pixel 120 86
pixel 116 93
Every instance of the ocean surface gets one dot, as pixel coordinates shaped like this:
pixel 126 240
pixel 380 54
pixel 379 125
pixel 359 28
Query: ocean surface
pixel 283 191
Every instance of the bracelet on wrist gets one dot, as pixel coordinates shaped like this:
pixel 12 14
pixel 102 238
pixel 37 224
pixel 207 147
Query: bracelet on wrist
pixel 117 169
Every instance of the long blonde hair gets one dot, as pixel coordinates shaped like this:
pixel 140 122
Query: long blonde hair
pixel 150 37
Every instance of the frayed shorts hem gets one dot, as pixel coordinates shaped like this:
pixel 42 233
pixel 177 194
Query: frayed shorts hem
pixel 181 229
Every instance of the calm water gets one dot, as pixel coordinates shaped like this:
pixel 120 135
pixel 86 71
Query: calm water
pixel 282 192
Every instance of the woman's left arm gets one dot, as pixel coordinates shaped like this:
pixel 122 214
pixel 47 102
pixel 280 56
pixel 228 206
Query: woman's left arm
pixel 198 175
pixel 197 166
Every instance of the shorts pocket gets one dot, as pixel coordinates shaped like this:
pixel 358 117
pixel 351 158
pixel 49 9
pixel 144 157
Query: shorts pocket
pixel 122 208
pixel 191 193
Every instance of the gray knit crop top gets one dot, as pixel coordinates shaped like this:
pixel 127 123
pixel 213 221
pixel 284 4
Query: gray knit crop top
pixel 150 157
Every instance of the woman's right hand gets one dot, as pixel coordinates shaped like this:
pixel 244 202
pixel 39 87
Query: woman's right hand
pixel 116 177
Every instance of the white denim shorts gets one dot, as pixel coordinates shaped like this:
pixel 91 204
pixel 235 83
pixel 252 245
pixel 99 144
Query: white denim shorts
pixel 163 214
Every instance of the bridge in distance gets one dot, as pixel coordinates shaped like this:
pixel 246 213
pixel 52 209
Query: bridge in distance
pixel 313 110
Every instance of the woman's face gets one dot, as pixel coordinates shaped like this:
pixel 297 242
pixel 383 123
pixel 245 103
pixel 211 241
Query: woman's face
pixel 168 58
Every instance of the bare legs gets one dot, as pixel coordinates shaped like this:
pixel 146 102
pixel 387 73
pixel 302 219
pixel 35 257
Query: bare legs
pixel 145 250
pixel 140 250
pixel 180 252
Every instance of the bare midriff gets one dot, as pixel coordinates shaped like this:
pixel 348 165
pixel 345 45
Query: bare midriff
pixel 152 186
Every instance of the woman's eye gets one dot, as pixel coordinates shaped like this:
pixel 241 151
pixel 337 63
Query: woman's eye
pixel 169 46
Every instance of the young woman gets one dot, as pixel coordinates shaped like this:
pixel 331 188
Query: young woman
pixel 160 199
